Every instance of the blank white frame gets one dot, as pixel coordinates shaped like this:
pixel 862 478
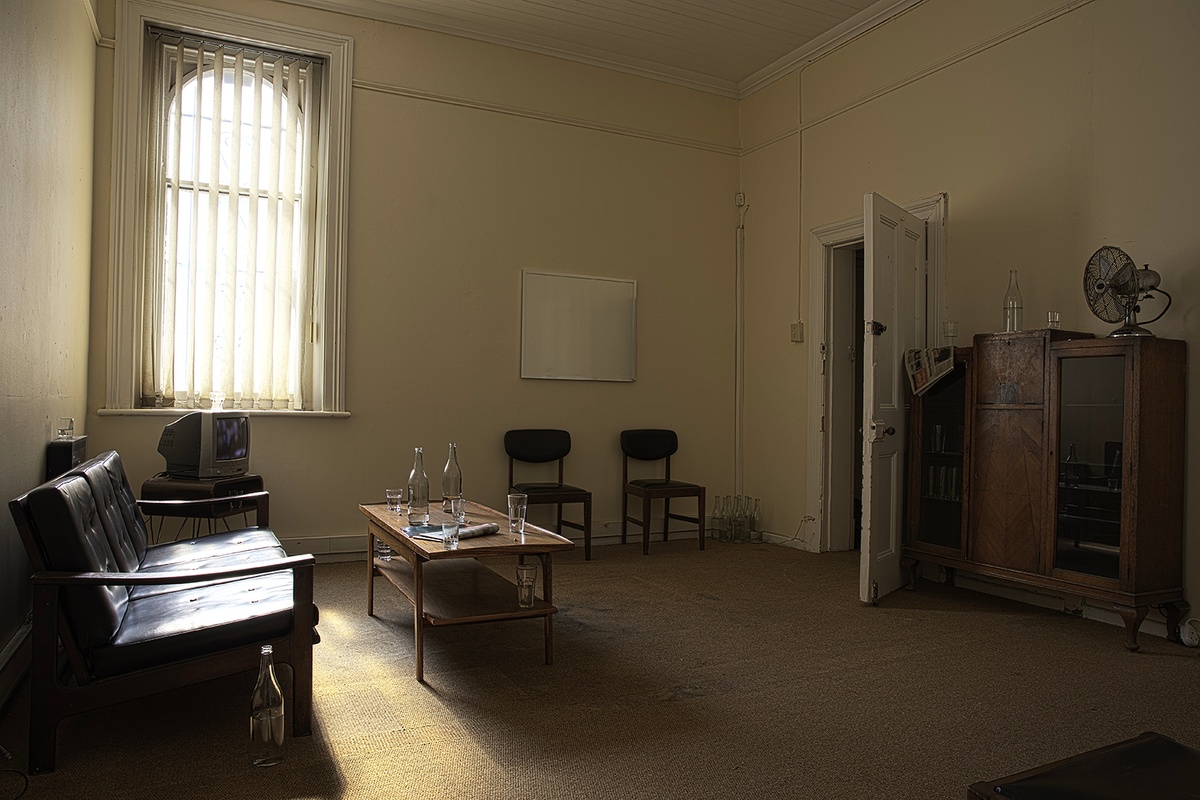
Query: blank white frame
pixel 578 327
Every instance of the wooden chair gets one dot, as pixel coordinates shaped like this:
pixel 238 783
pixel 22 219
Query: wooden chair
pixel 540 446
pixel 652 444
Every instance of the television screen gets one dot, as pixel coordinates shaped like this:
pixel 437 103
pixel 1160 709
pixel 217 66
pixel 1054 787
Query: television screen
pixel 231 438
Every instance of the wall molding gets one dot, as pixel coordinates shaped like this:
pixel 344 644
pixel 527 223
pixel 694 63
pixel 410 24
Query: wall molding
pixel 543 116
pixel 949 61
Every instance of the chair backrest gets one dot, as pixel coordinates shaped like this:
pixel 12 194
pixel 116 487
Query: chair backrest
pixel 649 444
pixel 536 446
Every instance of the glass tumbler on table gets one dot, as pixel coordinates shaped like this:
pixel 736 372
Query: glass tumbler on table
pixel 517 504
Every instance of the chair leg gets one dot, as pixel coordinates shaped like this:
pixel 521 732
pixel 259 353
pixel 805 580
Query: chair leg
pixel 646 525
pixel 624 514
pixel 666 518
pixel 587 529
pixel 558 529
pixel 700 516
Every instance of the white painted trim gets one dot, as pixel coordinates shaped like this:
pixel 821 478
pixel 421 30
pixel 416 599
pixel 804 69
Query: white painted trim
pixel 871 17
pixel 128 191
pixel 90 11
pixel 822 242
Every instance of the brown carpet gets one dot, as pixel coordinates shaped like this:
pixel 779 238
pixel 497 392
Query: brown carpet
pixel 745 671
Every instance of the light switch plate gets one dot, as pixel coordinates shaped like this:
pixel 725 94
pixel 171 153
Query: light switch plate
pixel 797 331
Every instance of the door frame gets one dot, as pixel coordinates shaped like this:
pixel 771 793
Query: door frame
pixel 823 241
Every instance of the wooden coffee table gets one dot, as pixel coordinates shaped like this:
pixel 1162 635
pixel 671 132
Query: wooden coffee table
pixel 451 587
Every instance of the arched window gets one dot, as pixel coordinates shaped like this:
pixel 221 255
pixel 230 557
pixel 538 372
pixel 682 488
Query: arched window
pixel 228 299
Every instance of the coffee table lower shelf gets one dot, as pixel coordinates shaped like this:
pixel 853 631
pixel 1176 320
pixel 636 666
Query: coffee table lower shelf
pixel 461 591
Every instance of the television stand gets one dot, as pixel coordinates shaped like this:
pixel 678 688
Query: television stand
pixel 167 487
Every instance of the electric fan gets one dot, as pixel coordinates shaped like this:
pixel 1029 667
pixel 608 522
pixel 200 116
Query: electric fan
pixel 1114 287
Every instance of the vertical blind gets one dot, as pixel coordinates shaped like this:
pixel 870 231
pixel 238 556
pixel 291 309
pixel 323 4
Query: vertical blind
pixel 228 295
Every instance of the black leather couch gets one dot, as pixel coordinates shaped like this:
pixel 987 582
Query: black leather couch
pixel 135 618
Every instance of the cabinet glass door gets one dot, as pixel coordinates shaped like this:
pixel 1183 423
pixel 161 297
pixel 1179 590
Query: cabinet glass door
pixel 1090 451
pixel 943 411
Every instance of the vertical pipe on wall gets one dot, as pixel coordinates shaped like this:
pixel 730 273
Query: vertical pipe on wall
pixel 739 363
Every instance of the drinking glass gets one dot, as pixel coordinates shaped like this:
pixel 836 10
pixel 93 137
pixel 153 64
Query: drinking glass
pixel 64 427
pixel 395 498
pixel 517 503
pixel 526 577
pixel 450 535
pixel 458 510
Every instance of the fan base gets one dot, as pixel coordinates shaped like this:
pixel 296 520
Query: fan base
pixel 1131 329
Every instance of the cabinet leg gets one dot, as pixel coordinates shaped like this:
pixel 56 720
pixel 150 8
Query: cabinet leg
pixel 1133 616
pixel 911 565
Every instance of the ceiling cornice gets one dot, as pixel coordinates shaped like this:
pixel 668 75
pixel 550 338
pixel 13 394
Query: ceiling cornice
pixel 438 23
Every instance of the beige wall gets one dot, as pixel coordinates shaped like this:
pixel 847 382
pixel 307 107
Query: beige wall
pixel 1052 132
pixel 47 68
pixel 522 161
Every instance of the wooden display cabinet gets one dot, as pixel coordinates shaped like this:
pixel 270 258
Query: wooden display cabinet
pixel 1075 484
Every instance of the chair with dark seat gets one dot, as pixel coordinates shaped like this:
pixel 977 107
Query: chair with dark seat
pixel 654 444
pixel 540 446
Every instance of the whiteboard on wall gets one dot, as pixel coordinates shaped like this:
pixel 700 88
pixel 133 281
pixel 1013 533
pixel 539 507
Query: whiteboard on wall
pixel 578 327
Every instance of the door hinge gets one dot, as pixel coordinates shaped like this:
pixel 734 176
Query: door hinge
pixel 874 328
pixel 822 424
pixel 824 358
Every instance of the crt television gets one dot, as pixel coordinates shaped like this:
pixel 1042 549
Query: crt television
pixel 207 444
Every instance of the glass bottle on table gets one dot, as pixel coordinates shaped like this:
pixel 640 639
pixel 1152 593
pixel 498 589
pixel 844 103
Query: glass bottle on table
pixel 266 714
pixel 418 490
pixel 451 480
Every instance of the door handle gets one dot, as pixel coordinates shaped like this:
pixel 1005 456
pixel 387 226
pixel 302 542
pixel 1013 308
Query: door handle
pixel 878 431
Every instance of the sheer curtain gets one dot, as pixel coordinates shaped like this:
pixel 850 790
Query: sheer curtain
pixel 228 295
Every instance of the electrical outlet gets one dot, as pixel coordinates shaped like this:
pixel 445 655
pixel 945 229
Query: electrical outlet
pixel 797 331
pixel 739 199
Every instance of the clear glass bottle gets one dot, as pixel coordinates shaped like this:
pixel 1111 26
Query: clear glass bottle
pixel 1012 303
pixel 418 490
pixel 451 479
pixel 266 714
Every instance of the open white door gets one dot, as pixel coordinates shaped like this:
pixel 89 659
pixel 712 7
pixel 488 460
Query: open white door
pixel 894 297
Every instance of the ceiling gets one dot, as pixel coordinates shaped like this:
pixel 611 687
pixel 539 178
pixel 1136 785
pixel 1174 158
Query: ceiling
pixel 728 47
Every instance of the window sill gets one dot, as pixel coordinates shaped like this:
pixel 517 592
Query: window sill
pixel 254 412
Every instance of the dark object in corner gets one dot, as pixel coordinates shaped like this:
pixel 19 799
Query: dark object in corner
pixel 1150 765
pixel 65 454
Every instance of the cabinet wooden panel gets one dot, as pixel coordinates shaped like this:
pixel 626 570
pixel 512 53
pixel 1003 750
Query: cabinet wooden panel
pixel 1010 368
pixel 1007 488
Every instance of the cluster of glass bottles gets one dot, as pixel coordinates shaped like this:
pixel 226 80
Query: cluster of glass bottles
pixel 418 485
pixel 735 518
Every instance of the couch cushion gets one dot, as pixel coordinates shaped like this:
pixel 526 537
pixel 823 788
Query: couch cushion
pixel 98 472
pixel 126 500
pixel 204 561
pixel 160 556
pixel 198 621
pixel 73 539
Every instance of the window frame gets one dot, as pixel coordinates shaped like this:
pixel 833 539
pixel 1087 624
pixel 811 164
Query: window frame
pixel 131 188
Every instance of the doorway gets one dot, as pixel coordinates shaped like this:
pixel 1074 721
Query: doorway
pixel 836 379
pixel 844 410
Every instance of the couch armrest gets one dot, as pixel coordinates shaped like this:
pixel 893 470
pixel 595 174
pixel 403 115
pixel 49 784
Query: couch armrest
pixel 212 507
pixel 294 563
